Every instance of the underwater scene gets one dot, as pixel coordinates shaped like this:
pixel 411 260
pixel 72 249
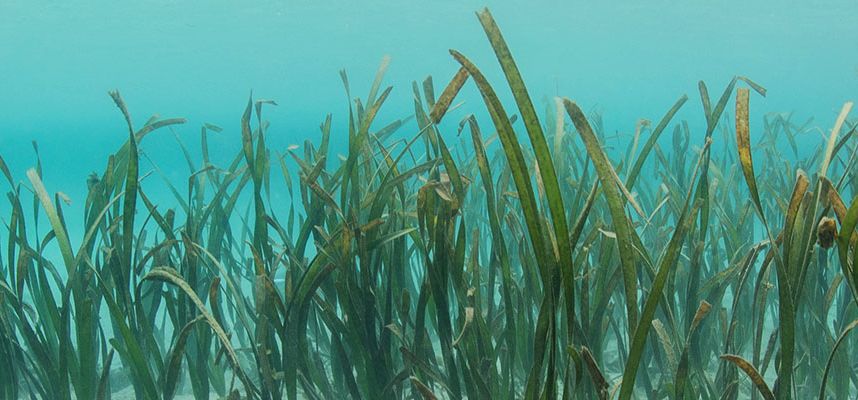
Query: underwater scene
pixel 439 200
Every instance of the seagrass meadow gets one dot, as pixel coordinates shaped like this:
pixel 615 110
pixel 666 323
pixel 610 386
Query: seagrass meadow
pixel 506 257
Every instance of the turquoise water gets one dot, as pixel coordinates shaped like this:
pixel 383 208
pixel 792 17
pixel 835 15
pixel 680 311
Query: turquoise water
pixel 624 61
pixel 200 60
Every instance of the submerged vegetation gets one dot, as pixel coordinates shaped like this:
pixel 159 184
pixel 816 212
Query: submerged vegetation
pixel 544 267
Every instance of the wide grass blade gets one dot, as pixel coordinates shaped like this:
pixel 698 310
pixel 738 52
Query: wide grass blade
pixel 169 275
pixel 56 223
pixel 752 373
pixel 620 222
